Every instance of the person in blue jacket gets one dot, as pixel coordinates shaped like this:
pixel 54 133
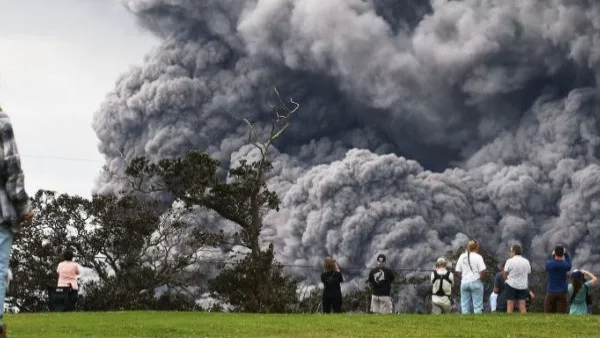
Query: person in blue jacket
pixel 557 267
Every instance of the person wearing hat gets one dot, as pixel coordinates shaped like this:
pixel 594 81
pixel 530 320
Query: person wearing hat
pixel 556 300
pixel 578 291
pixel 472 270
pixel 441 284
pixel 380 280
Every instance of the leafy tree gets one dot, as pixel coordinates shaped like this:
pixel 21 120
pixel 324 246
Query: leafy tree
pixel 133 245
pixel 256 284
pixel 358 300
pixel 243 198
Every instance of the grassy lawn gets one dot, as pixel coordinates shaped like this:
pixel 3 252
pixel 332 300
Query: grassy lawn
pixel 201 324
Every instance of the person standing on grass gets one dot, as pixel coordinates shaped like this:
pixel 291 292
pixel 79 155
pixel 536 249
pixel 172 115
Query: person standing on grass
pixel 578 291
pixel 441 284
pixel 14 203
pixel 332 291
pixel 556 300
pixel 470 267
pixel 68 271
pixel 380 280
pixel 516 273
pixel 499 292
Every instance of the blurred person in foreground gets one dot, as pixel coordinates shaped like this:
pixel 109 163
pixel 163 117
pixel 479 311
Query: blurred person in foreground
pixel 441 287
pixel 15 210
pixel 332 291
pixel 578 291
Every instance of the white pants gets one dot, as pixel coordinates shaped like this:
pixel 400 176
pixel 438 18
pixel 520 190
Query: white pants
pixel 440 305
pixel 381 304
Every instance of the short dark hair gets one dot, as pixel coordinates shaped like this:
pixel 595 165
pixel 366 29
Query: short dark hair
pixel 559 250
pixel 516 249
pixel 68 255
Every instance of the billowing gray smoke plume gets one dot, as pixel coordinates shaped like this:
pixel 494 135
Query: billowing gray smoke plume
pixel 422 123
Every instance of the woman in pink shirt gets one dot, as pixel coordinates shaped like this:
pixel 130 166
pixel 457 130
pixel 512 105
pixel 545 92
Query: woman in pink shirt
pixel 67 276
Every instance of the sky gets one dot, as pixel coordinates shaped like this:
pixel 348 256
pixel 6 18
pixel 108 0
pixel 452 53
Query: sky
pixel 58 60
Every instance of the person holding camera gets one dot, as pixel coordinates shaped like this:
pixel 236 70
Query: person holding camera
pixel 578 291
pixel 557 266
pixel 470 267
pixel 516 273
pixel 332 291
pixel 380 280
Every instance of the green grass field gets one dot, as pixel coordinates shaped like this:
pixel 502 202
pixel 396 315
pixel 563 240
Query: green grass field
pixel 202 324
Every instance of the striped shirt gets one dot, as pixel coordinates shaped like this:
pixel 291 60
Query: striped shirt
pixel 14 202
pixel 518 269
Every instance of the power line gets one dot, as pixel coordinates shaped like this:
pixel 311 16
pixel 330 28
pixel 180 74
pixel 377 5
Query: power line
pixel 62 158
pixel 236 262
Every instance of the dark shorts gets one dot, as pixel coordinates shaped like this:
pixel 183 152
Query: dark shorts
pixel 516 294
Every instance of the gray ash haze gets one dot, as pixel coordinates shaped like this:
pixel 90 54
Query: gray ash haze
pixel 422 123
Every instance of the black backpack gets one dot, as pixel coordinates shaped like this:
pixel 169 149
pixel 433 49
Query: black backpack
pixel 441 278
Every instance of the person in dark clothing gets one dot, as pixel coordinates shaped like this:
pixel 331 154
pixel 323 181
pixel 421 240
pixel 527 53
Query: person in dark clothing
pixel 500 291
pixel 380 280
pixel 557 296
pixel 332 291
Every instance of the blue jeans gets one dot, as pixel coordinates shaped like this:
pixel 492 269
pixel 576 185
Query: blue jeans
pixel 6 238
pixel 471 297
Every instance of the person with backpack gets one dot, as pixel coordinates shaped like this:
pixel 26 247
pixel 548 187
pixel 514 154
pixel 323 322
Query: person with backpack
pixel 472 270
pixel 332 291
pixel 579 292
pixel 441 287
